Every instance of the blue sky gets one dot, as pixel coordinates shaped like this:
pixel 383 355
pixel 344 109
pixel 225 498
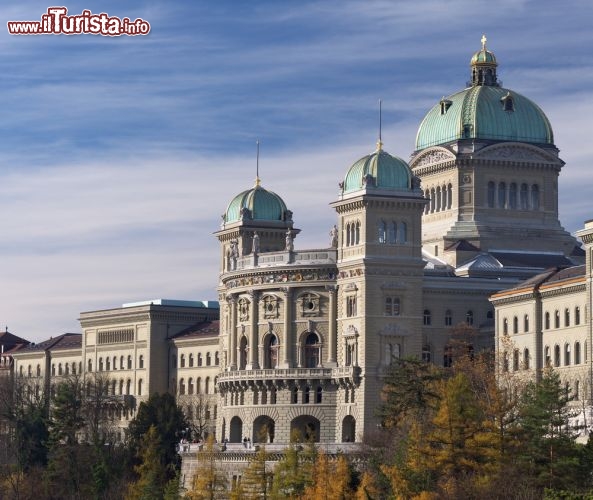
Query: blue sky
pixel 118 155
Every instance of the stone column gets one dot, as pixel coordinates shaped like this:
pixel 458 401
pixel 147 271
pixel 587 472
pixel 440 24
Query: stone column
pixel 285 362
pixel 252 361
pixel 332 335
pixel 232 333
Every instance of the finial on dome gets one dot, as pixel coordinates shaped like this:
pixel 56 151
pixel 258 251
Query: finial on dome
pixel 257 179
pixel 483 40
pixel 379 142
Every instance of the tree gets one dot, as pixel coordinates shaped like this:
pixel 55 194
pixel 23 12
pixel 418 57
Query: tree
pixel 331 479
pixel 257 478
pixel 294 471
pixel 152 472
pixel 209 481
pixel 162 412
pixel 549 454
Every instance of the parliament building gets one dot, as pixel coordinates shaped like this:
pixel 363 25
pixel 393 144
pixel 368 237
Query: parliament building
pixel 464 233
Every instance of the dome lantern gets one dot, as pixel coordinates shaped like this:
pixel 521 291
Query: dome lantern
pixel 483 66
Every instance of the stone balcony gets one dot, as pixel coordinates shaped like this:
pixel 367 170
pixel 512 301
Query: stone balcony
pixel 346 375
pixel 321 257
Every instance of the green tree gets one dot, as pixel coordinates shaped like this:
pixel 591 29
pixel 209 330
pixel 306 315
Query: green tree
pixel 209 482
pixel 152 471
pixel 549 454
pixel 257 478
pixel 162 412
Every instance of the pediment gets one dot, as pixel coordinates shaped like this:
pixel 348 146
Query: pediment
pixel 511 151
pixel 432 156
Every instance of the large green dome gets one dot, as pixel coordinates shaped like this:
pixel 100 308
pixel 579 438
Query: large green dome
pixel 485 110
pixel 379 170
pixel 256 203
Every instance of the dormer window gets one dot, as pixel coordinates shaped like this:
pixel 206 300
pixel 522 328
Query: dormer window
pixel 508 103
pixel 445 105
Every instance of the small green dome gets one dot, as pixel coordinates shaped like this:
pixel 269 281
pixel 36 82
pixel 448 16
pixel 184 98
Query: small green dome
pixel 483 57
pixel 256 203
pixel 379 170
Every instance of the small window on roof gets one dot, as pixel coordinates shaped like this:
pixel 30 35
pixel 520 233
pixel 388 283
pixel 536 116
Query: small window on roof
pixel 445 105
pixel 508 103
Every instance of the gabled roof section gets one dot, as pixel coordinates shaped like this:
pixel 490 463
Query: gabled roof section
pixel 462 246
pixel 199 330
pixel 533 260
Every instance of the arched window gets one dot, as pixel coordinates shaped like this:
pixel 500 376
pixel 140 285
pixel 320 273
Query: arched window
pixel 566 354
pixel 207 385
pixel 306 395
pixel 427 206
pixel 199 359
pixel 141 361
pixel 438 198
pixel 129 362
pixel 271 352
pixel 547 321
pixel 89 366
pixel 513 195
pixel 505 326
pixel 556 319
pixel 182 361
pixel 38 370
pixel 427 317
pixel 502 195
pixel 469 318
pixel 566 317
pixel 312 351
pixel 403 233
pixel 121 386
pixel 523 197
pixel 577 353
pixel 577 387
pixel 449 196
pixel 100 364
pixel 491 194
pixel 382 231
pixel 516 360
pixel 122 363
pixel 140 387
pixel 526 359
pixel 432 200
pixel 198 385
pixel 294 395
pixel 526 323
pixel 515 324
pixel 547 358
pixel 426 353
pixel 392 232
pixel 243 349
pixel 319 395
pixel 577 315
pixel 181 386
pixel 556 355
pixel 191 360
pixel 208 359
pixel 348 242
pixel 128 386
pixel 535 197
pixel 216 359
pixel 448 317
pixel 190 386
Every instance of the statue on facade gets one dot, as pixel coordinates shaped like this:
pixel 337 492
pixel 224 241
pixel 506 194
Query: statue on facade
pixel 333 237
pixel 255 244
pixel 289 243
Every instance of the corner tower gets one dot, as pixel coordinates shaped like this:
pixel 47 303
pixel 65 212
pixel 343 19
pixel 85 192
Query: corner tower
pixel 380 272
pixel 488 165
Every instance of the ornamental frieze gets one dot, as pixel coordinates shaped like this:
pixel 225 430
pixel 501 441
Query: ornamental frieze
pixel 514 153
pixel 281 277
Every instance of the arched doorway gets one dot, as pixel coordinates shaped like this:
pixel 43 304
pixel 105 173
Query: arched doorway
pixel 271 351
pixel 236 430
pixel 348 429
pixel 305 428
pixel 312 351
pixel 263 429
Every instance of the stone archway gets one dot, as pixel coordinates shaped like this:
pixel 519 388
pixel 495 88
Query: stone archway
pixel 306 428
pixel 235 430
pixel 348 429
pixel 263 429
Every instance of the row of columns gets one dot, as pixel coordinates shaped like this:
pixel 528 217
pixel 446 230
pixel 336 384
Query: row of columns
pixel 286 356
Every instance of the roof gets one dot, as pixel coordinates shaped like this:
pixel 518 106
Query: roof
pixel 462 246
pixel 478 112
pixel 9 340
pixel 256 203
pixel 64 341
pixel 202 329
pixel 550 277
pixel 379 170
pixel 535 259
pixel 213 304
